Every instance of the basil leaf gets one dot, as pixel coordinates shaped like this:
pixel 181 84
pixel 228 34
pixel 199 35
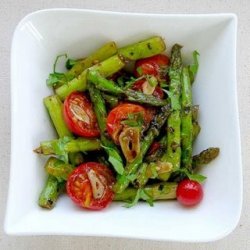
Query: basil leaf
pixel 114 159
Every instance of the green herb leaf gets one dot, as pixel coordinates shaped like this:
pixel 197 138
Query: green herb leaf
pixel 146 197
pixel 193 68
pixel 70 63
pixel 56 61
pixel 131 177
pixel 139 71
pixel 134 201
pixel 175 104
pixel 152 80
pixel 134 120
pixel 163 84
pixel 196 177
pixel 141 194
pixel 114 159
pixel 59 148
pixel 129 83
pixel 56 79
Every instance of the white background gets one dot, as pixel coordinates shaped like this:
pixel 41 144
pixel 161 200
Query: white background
pixel 10 14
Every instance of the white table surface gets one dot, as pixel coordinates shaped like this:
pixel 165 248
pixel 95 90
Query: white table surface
pixel 13 10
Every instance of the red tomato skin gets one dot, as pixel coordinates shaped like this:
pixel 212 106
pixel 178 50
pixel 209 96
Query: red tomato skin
pixel 79 178
pixel 119 113
pixel 79 127
pixel 151 65
pixel 189 193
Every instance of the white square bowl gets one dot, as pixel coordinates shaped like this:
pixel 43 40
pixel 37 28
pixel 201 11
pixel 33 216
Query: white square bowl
pixel 42 35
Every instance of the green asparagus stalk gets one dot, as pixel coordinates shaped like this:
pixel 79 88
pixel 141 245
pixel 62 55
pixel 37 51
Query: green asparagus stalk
pixel 152 170
pixel 153 131
pixel 186 121
pixel 101 115
pixel 173 153
pixel 205 157
pixel 54 107
pixel 196 126
pixel 111 100
pixel 58 168
pixel 143 49
pixel 68 145
pixel 50 192
pixel 76 67
pixel 139 97
pixel 105 68
pixel 104 84
pixel 159 191
pixel 107 50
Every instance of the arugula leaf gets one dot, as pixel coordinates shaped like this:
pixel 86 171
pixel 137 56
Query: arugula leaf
pixel 141 194
pixel 193 68
pixel 59 148
pixel 114 159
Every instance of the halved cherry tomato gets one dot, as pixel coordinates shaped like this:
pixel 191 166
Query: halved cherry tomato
pixel 158 92
pixel 154 147
pixel 189 192
pixel 151 65
pixel 90 185
pixel 120 113
pixel 79 115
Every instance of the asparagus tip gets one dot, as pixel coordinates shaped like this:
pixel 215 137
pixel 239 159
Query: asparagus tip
pixel 38 150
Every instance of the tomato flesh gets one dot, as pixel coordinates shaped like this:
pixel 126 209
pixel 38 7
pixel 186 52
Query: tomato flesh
pixel 80 185
pixel 79 115
pixel 120 113
pixel 189 193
